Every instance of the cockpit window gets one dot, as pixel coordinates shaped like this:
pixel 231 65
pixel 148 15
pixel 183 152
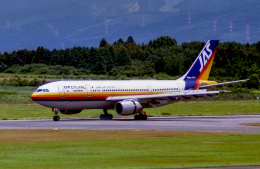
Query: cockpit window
pixel 39 90
pixel 43 90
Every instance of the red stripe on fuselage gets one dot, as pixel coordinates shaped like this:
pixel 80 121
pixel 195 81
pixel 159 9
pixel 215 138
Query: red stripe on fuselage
pixel 83 96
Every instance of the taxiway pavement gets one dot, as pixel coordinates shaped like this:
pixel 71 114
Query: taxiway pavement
pixel 224 124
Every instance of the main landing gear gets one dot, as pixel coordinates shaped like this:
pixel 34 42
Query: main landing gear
pixel 56 117
pixel 141 116
pixel 106 116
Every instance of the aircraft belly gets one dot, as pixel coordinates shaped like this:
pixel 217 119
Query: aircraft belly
pixel 162 103
pixel 75 105
pixel 159 103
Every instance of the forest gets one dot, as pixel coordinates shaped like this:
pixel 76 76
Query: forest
pixel 160 58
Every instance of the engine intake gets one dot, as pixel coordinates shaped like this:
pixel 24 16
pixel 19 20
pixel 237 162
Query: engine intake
pixel 128 107
pixel 69 111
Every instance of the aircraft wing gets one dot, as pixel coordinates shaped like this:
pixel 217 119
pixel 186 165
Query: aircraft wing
pixel 222 83
pixel 182 95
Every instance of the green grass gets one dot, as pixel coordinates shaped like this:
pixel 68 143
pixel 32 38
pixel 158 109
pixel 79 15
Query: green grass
pixel 125 149
pixel 209 108
pixel 16 95
pixel 212 108
pixel 15 103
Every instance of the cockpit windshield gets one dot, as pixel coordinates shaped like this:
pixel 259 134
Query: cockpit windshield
pixel 39 90
pixel 42 90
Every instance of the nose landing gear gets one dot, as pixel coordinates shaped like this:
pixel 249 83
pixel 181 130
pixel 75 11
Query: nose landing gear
pixel 56 117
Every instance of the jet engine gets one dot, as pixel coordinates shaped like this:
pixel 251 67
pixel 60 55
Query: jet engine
pixel 128 107
pixel 68 112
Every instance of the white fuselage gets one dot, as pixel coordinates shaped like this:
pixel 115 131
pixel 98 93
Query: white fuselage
pixel 93 94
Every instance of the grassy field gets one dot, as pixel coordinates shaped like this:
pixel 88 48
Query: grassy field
pixel 16 95
pixel 15 103
pixel 125 149
pixel 25 111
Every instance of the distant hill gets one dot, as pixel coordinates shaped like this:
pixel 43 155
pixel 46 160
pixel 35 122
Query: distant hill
pixel 63 24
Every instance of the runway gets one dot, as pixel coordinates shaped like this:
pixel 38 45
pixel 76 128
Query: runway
pixel 223 124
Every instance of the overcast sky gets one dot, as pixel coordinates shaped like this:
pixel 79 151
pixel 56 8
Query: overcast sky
pixel 67 23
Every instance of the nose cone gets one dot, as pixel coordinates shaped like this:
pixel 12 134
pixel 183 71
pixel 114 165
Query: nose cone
pixel 34 96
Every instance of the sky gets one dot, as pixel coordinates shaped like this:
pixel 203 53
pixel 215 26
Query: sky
pixel 61 24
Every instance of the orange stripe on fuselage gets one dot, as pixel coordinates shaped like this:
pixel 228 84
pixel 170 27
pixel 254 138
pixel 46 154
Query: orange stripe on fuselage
pixel 204 75
pixel 84 96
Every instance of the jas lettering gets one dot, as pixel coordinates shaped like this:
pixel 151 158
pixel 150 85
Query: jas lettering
pixel 204 56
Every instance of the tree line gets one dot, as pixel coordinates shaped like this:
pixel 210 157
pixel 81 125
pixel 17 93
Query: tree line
pixel 126 58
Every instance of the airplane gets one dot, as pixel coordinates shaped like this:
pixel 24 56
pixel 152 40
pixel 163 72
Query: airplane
pixel 129 97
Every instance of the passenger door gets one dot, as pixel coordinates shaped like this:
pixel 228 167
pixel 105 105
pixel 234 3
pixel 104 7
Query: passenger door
pixel 89 92
pixel 61 91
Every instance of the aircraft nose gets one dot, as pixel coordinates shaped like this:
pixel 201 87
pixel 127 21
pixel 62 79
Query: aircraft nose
pixel 34 96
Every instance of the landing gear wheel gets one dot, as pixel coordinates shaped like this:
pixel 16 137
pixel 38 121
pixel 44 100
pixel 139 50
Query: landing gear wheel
pixel 56 118
pixel 106 116
pixel 101 117
pixel 110 117
pixel 140 117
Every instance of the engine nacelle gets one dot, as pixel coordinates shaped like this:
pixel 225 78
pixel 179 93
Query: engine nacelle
pixel 128 107
pixel 69 111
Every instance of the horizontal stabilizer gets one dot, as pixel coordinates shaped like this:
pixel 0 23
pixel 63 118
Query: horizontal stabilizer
pixel 223 83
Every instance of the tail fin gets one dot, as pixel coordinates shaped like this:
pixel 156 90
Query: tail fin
pixel 201 67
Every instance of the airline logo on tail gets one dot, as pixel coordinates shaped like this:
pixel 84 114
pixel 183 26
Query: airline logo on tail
pixel 205 56
pixel 200 68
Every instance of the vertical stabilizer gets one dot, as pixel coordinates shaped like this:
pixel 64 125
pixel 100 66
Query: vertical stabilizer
pixel 201 67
